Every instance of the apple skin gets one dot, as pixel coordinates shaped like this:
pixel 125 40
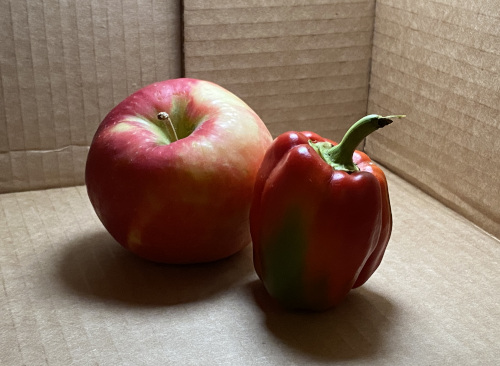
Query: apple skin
pixel 184 201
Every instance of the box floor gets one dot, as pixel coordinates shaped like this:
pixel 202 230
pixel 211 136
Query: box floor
pixel 70 295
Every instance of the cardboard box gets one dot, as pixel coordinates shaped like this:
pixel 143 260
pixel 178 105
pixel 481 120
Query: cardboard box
pixel 71 295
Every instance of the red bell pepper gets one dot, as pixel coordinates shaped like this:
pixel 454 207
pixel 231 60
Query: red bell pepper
pixel 320 217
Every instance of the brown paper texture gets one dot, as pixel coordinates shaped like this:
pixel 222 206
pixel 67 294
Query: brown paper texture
pixel 300 65
pixel 439 63
pixel 64 66
pixel 70 295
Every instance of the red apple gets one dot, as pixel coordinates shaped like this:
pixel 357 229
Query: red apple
pixel 171 169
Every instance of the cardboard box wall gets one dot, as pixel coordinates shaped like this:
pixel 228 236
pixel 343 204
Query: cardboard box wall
pixel 439 62
pixel 305 65
pixel 71 296
pixel 64 66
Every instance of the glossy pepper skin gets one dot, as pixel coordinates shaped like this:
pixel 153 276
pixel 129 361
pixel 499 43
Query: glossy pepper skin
pixel 319 229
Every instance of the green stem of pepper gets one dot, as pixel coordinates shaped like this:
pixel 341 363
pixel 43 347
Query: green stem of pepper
pixel 339 157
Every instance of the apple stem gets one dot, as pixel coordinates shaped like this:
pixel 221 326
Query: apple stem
pixel 162 116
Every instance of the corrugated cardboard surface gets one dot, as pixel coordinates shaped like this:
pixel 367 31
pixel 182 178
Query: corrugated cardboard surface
pixel 71 296
pixel 301 65
pixel 439 62
pixel 64 65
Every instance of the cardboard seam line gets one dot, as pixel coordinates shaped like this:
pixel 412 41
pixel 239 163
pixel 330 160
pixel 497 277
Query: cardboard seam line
pixel 370 63
pixel 42 151
pixel 182 35
pixel 259 6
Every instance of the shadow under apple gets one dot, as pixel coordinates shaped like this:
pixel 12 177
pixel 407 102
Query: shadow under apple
pixel 96 266
pixel 359 327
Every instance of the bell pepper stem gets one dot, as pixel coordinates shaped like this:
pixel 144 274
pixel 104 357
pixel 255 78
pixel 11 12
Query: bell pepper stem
pixel 339 157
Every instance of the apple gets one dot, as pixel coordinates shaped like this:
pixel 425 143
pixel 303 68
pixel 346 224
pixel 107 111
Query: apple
pixel 171 169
